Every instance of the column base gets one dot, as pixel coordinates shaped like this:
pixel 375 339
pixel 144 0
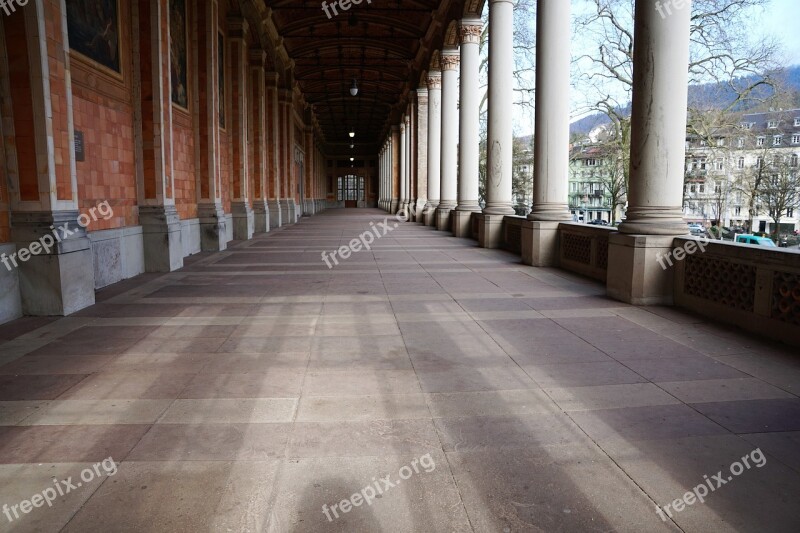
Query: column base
pixel 275 218
pixel 539 245
pixel 490 230
pixel 635 275
pixel 59 280
pixel 394 205
pixel 429 216
pixel 261 216
pixel 443 218
pixel 243 221
pixel 286 218
pixel 213 227
pixel 462 223
pixel 293 211
pixel 419 211
pixel 161 236
pixel 10 301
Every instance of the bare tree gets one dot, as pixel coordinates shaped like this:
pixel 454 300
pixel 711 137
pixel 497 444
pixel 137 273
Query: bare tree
pixel 778 191
pixel 723 52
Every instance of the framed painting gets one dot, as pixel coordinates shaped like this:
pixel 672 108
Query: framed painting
pixel 221 66
pixel 93 30
pixel 178 38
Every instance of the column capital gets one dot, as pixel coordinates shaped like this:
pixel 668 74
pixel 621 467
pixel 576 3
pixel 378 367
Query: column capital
pixel 238 28
pixel 422 97
pixel 257 57
pixel 450 59
pixel 470 31
pixel 434 80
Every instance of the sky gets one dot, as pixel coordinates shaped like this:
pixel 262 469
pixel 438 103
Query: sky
pixel 777 18
pixel 780 18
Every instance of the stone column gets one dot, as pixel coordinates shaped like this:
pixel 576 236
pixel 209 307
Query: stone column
pixel 500 149
pixel 308 167
pixel 241 210
pixel 213 223
pixel 449 159
pixel 257 126
pixel 158 216
pixel 434 144
pixel 286 154
pixel 411 150
pixel 658 136
pixel 403 165
pixel 551 144
pixel 273 151
pixel 469 124
pixel 422 153
pixel 54 278
pixel 394 169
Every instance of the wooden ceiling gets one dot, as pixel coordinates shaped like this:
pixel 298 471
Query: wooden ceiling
pixel 385 45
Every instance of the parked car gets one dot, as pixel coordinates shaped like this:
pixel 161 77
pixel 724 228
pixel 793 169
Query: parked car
pixel 697 229
pixel 753 239
pixel 598 222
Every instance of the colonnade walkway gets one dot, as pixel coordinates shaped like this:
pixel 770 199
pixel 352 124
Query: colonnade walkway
pixel 256 386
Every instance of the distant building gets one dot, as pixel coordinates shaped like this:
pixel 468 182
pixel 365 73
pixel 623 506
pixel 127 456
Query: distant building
pixel 589 174
pixel 721 168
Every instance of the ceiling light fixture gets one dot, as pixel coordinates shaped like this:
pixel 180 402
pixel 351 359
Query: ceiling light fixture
pixel 354 88
pixel 352 159
pixel 352 133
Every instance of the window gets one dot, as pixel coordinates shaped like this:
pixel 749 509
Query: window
pixel 703 164
pixel 797 122
pixel 703 142
pixel 720 142
pixel 796 138
pixel 351 188
pixel 740 142
pixel 737 211
pixel 760 141
pixel 777 140
pixel 591 162
pixel 717 189
pixel 747 125
pixel 702 187
pixel 719 164
pixel 790 212
pixel 693 188
pixel 741 162
pixel 760 162
pixel 793 161
pixel 772 124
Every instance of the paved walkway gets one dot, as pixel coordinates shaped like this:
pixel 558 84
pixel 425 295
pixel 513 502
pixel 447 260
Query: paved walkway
pixel 256 386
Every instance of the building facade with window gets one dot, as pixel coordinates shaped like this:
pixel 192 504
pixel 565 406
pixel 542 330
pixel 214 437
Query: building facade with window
pixel 591 177
pixel 753 163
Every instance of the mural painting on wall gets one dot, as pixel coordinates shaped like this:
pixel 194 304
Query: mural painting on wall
pixel 93 29
pixel 221 65
pixel 178 62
